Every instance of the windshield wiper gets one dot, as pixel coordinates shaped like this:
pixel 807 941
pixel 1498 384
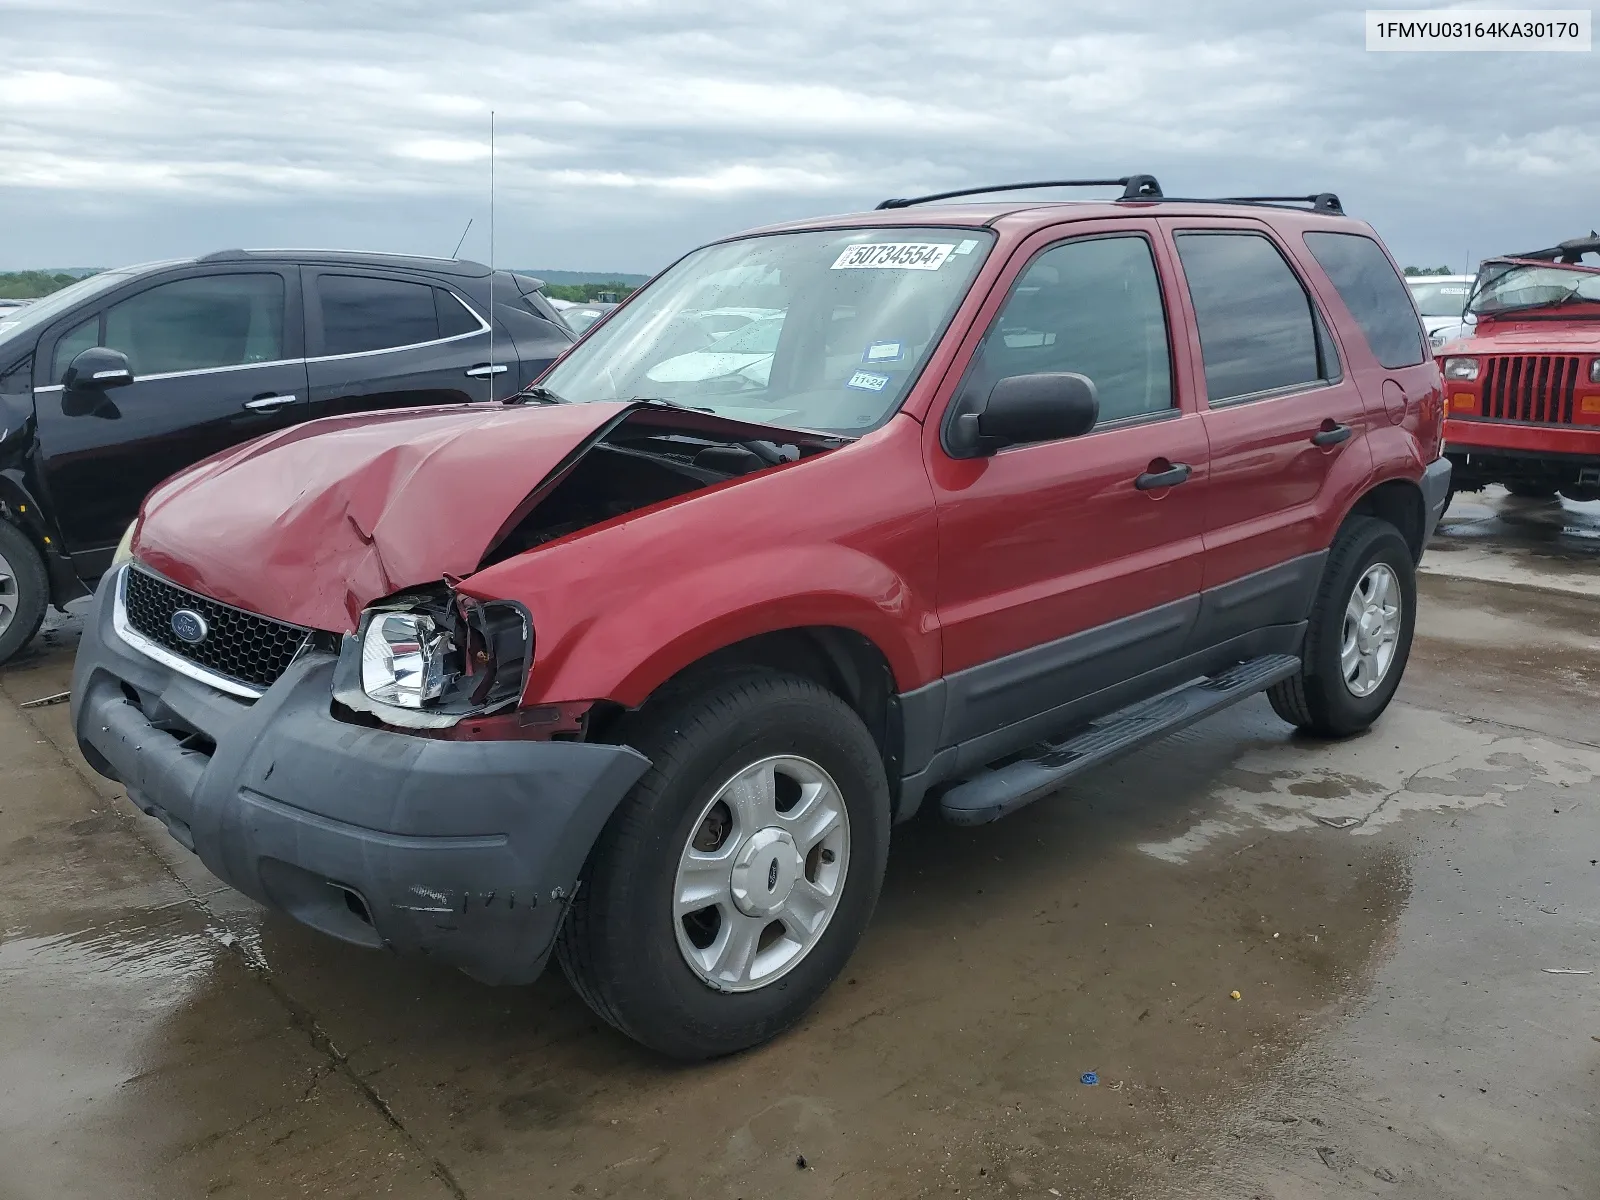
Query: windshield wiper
pixel 664 403
pixel 539 395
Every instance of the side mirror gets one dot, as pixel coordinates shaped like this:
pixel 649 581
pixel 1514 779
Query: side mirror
pixel 1028 408
pixel 97 368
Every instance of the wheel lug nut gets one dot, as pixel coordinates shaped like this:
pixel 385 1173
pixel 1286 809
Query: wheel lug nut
pixel 827 856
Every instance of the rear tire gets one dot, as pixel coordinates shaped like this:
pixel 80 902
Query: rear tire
pixel 1352 665
pixel 666 973
pixel 24 590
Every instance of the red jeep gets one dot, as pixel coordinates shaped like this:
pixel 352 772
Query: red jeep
pixel 1523 385
pixel 929 507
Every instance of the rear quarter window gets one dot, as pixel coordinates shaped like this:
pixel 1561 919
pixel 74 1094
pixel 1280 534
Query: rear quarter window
pixel 1375 295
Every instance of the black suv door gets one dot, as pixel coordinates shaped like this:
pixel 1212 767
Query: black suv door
pixel 217 360
pixel 378 339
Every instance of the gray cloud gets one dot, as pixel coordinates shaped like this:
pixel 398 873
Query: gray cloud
pixel 628 131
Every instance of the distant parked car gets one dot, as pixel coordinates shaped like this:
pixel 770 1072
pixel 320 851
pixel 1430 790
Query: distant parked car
pixel 9 305
pixel 1523 383
pixel 1441 299
pixel 115 382
pixel 580 316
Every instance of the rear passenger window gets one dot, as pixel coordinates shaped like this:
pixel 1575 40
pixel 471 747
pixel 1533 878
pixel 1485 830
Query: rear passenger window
pixel 361 313
pixel 1094 307
pixel 454 319
pixel 1374 294
pixel 1258 329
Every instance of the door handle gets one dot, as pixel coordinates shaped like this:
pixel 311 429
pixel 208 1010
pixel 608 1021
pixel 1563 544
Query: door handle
pixel 484 370
pixel 1169 476
pixel 1331 434
pixel 268 404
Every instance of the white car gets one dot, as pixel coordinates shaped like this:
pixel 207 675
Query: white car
pixel 1441 299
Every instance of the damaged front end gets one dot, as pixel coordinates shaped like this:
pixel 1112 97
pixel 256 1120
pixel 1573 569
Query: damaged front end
pixel 430 659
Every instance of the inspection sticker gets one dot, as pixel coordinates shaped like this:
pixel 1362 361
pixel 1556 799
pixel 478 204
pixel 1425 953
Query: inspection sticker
pixel 904 256
pixel 966 247
pixel 881 352
pixel 868 381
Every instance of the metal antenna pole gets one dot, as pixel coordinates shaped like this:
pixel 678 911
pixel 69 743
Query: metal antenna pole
pixel 491 254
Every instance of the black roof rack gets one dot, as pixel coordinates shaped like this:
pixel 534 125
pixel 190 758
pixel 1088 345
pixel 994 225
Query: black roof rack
pixel 445 266
pixel 1325 202
pixel 1134 187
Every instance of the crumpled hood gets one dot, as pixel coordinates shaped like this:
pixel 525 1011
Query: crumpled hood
pixel 312 524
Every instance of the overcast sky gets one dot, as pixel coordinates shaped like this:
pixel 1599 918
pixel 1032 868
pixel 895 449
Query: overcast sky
pixel 629 131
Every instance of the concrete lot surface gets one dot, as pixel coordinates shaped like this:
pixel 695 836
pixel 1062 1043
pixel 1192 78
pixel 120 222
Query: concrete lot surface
pixel 1390 910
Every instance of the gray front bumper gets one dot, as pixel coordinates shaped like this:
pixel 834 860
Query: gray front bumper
pixel 465 851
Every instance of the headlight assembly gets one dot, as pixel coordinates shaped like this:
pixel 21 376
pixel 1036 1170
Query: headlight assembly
pixel 1594 371
pixel 1465 369
pixel 403 659
pixel 429 661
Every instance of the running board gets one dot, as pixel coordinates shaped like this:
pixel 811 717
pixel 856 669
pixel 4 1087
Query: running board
pixel 993 794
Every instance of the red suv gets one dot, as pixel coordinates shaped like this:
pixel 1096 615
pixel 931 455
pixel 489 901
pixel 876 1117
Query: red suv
pixel 929 507
pixel 1524 384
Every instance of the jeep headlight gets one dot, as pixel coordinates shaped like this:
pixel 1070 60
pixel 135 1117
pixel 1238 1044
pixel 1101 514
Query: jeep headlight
pixel 124 548
pixel 1465 369
pixel 403 659
pixel 1594 371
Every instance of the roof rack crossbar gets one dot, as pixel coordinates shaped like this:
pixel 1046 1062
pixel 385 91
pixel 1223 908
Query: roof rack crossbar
pixel 1319 201
pixel 1134 187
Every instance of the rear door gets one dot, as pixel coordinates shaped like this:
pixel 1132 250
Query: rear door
pixel 1061 570
pixel 381 339
pixel 217 360
pixel 1286 423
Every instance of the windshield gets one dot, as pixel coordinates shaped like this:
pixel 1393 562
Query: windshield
pixel 1441 299
pixel 42 312
pixel 822 330
pixel 1504 287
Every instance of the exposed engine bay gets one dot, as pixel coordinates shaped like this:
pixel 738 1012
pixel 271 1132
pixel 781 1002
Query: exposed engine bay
pixel 632 468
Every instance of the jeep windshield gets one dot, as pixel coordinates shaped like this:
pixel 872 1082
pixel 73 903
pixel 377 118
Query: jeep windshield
pixel 1505 287
pixel 823 330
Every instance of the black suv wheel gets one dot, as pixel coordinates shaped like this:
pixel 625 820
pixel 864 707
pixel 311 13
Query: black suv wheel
pixel 734 881
pixel 1360 633
pixel 24 591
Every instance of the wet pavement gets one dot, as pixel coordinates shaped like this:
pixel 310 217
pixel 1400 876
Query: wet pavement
pixel 1390 910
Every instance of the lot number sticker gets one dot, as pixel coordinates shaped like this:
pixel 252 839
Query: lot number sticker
pixel 902 256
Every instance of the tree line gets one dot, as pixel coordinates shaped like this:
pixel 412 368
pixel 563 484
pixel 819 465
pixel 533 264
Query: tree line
pixel 30 285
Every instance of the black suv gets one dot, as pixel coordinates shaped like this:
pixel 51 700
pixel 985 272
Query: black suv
pixel 114 383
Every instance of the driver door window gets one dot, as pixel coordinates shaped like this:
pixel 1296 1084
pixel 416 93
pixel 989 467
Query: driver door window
pixel 1094 307
pixel 200 324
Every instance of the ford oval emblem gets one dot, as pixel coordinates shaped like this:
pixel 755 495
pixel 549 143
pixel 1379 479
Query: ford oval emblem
pixel 189 626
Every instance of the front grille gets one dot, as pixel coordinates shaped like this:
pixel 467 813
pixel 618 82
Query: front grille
pixel 1535 388
pixel 239 645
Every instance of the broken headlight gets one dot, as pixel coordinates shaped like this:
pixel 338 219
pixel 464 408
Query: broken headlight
pixel 429 661
pixel 403 659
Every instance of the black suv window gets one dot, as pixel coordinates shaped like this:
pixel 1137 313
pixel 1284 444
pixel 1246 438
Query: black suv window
pixel 1091 306
pixel 361 313
pixel 454 319
pixel 195 324
pixel 1374 294
pixel 1258 329
pixel 73 343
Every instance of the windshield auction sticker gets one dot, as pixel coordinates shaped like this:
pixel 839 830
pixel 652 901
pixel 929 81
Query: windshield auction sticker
pixel 901 256
pixel 1467 29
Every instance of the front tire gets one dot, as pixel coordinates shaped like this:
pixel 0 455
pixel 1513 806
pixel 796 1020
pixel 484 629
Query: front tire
pixel 733 883
pixel 24 591
pixel 1359 636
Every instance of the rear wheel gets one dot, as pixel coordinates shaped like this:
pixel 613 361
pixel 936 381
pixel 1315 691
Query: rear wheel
pixel 734 881
pixel 24 590
pixel 1359 636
